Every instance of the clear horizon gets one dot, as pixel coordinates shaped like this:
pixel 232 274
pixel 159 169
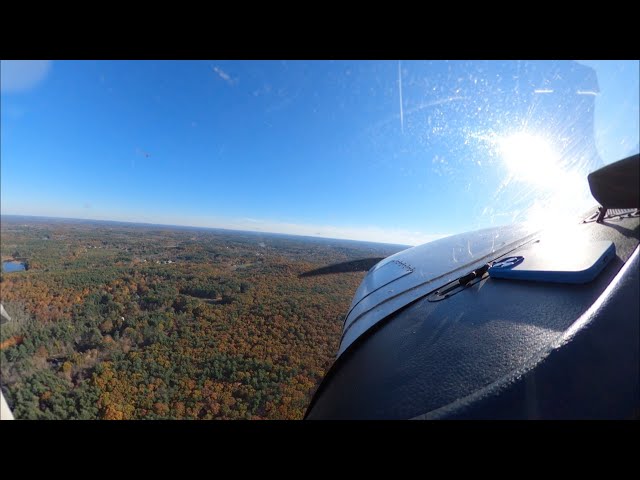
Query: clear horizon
pixel 207 227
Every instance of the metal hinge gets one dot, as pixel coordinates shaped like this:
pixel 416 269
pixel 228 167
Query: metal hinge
pixel 460 284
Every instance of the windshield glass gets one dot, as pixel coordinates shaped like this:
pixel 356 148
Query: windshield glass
pixel 395 151
pixel 218 324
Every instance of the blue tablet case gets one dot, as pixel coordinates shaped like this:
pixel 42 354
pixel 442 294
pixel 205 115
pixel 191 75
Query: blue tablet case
pixel 561 263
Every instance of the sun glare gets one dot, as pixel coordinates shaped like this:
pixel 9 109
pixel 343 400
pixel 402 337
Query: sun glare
pixel 531 159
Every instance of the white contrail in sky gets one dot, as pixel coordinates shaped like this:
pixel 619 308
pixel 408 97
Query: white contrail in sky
pixel 400 90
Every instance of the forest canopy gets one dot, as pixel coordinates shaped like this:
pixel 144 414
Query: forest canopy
pixel 125 321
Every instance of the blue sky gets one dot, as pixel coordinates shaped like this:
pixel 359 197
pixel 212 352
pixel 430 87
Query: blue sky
pixel 391 151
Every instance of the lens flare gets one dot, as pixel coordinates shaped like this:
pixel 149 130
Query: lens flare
pixel 531 159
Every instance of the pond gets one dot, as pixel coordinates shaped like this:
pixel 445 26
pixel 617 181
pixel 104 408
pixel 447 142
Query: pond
pixel 12 266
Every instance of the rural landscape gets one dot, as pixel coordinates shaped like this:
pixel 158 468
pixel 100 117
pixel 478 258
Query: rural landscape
pixel 129 321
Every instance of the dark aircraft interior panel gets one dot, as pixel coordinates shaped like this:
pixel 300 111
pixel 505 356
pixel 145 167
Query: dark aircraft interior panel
pixel 491 350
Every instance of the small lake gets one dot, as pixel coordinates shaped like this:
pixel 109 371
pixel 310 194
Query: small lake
pixel 12 266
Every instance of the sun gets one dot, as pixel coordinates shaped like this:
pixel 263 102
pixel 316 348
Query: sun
pixel 530 158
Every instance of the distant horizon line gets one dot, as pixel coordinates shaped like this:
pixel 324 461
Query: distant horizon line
pixel 77 219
